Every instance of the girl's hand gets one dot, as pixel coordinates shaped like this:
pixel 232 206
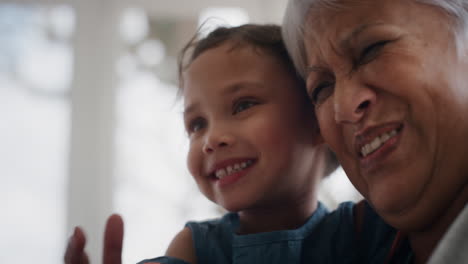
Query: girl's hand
pixel 113 237
pixel 75 253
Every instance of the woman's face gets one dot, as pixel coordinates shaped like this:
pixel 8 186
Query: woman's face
pixel 391 99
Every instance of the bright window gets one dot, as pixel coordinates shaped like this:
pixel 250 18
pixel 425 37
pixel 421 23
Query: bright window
pixel 35 73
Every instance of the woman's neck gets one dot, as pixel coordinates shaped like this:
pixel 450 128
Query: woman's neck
pixel 424 243
pixel 284 216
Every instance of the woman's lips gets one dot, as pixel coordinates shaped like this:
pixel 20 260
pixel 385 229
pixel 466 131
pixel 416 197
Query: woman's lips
pixel 377 143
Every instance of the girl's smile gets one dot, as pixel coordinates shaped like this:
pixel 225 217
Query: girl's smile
pixel 228 172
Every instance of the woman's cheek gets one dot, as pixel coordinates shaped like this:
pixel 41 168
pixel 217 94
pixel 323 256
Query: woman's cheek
pixel 327 124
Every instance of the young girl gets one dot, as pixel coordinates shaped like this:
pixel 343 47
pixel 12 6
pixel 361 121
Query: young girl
pixel 255 149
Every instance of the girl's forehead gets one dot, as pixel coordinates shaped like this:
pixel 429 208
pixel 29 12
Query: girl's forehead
pixel 222 65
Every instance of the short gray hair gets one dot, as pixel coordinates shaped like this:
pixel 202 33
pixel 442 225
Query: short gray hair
pixel 297 11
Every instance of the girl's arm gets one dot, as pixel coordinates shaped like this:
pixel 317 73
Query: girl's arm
pixel 181 247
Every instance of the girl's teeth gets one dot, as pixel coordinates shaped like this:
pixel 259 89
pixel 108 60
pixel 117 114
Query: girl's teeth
pixel 221 173
pixel 377 142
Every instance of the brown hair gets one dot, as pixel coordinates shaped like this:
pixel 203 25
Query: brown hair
pixel 265 38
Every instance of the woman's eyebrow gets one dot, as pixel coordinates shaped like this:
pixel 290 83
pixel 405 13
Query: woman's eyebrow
pixel 346 42
pixel 315 69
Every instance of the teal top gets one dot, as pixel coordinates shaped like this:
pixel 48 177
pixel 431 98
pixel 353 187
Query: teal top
pixel 216 241
pixel 324 238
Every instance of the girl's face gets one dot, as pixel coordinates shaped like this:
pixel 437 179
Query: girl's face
pixel 391 100
pixel 250 129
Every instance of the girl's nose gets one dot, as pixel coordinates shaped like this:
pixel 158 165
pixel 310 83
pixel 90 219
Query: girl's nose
pixel 216 139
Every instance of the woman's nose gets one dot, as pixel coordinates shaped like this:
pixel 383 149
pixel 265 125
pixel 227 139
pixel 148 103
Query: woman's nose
pixel 217 138
pixel 352 101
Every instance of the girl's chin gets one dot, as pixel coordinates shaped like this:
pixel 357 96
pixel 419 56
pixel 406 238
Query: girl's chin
pixel 234 208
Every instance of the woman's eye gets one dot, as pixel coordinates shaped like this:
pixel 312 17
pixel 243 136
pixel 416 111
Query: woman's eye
pixel 242 106
pixel 321 92
pixel 195 125
pixel 370 52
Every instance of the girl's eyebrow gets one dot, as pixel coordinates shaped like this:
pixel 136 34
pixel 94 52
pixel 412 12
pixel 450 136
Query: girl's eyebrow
pixel 189 109
pixel 231 89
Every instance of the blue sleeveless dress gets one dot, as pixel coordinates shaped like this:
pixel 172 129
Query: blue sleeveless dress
pixel 324 238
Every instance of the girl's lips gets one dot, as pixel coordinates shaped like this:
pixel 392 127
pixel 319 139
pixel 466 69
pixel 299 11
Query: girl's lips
pixel 224 164
pixel 233 176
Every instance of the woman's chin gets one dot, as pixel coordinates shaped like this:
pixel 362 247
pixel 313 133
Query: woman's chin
pixel 407 217
pixel 399 211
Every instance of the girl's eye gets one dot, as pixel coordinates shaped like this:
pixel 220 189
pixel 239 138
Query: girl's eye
pixel 242 106
pixel 370 52
pixel 196 124
pixel 321 92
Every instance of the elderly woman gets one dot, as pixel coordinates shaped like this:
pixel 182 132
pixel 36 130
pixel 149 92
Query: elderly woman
pixel 389 80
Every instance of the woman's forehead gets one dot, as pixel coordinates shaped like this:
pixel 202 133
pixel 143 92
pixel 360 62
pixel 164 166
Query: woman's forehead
pixel 329 31
pixel 332 25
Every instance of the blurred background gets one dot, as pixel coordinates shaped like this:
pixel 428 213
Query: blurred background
pixel 90 123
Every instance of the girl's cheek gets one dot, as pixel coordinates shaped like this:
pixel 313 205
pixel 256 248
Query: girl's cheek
pixel 194 162
pixel 190 160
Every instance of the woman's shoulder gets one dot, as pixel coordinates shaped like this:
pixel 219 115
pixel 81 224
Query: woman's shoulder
pixel 453 248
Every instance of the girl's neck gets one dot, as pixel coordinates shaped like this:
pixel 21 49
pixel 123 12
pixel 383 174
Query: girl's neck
pixel 424 243
pixel 277 217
